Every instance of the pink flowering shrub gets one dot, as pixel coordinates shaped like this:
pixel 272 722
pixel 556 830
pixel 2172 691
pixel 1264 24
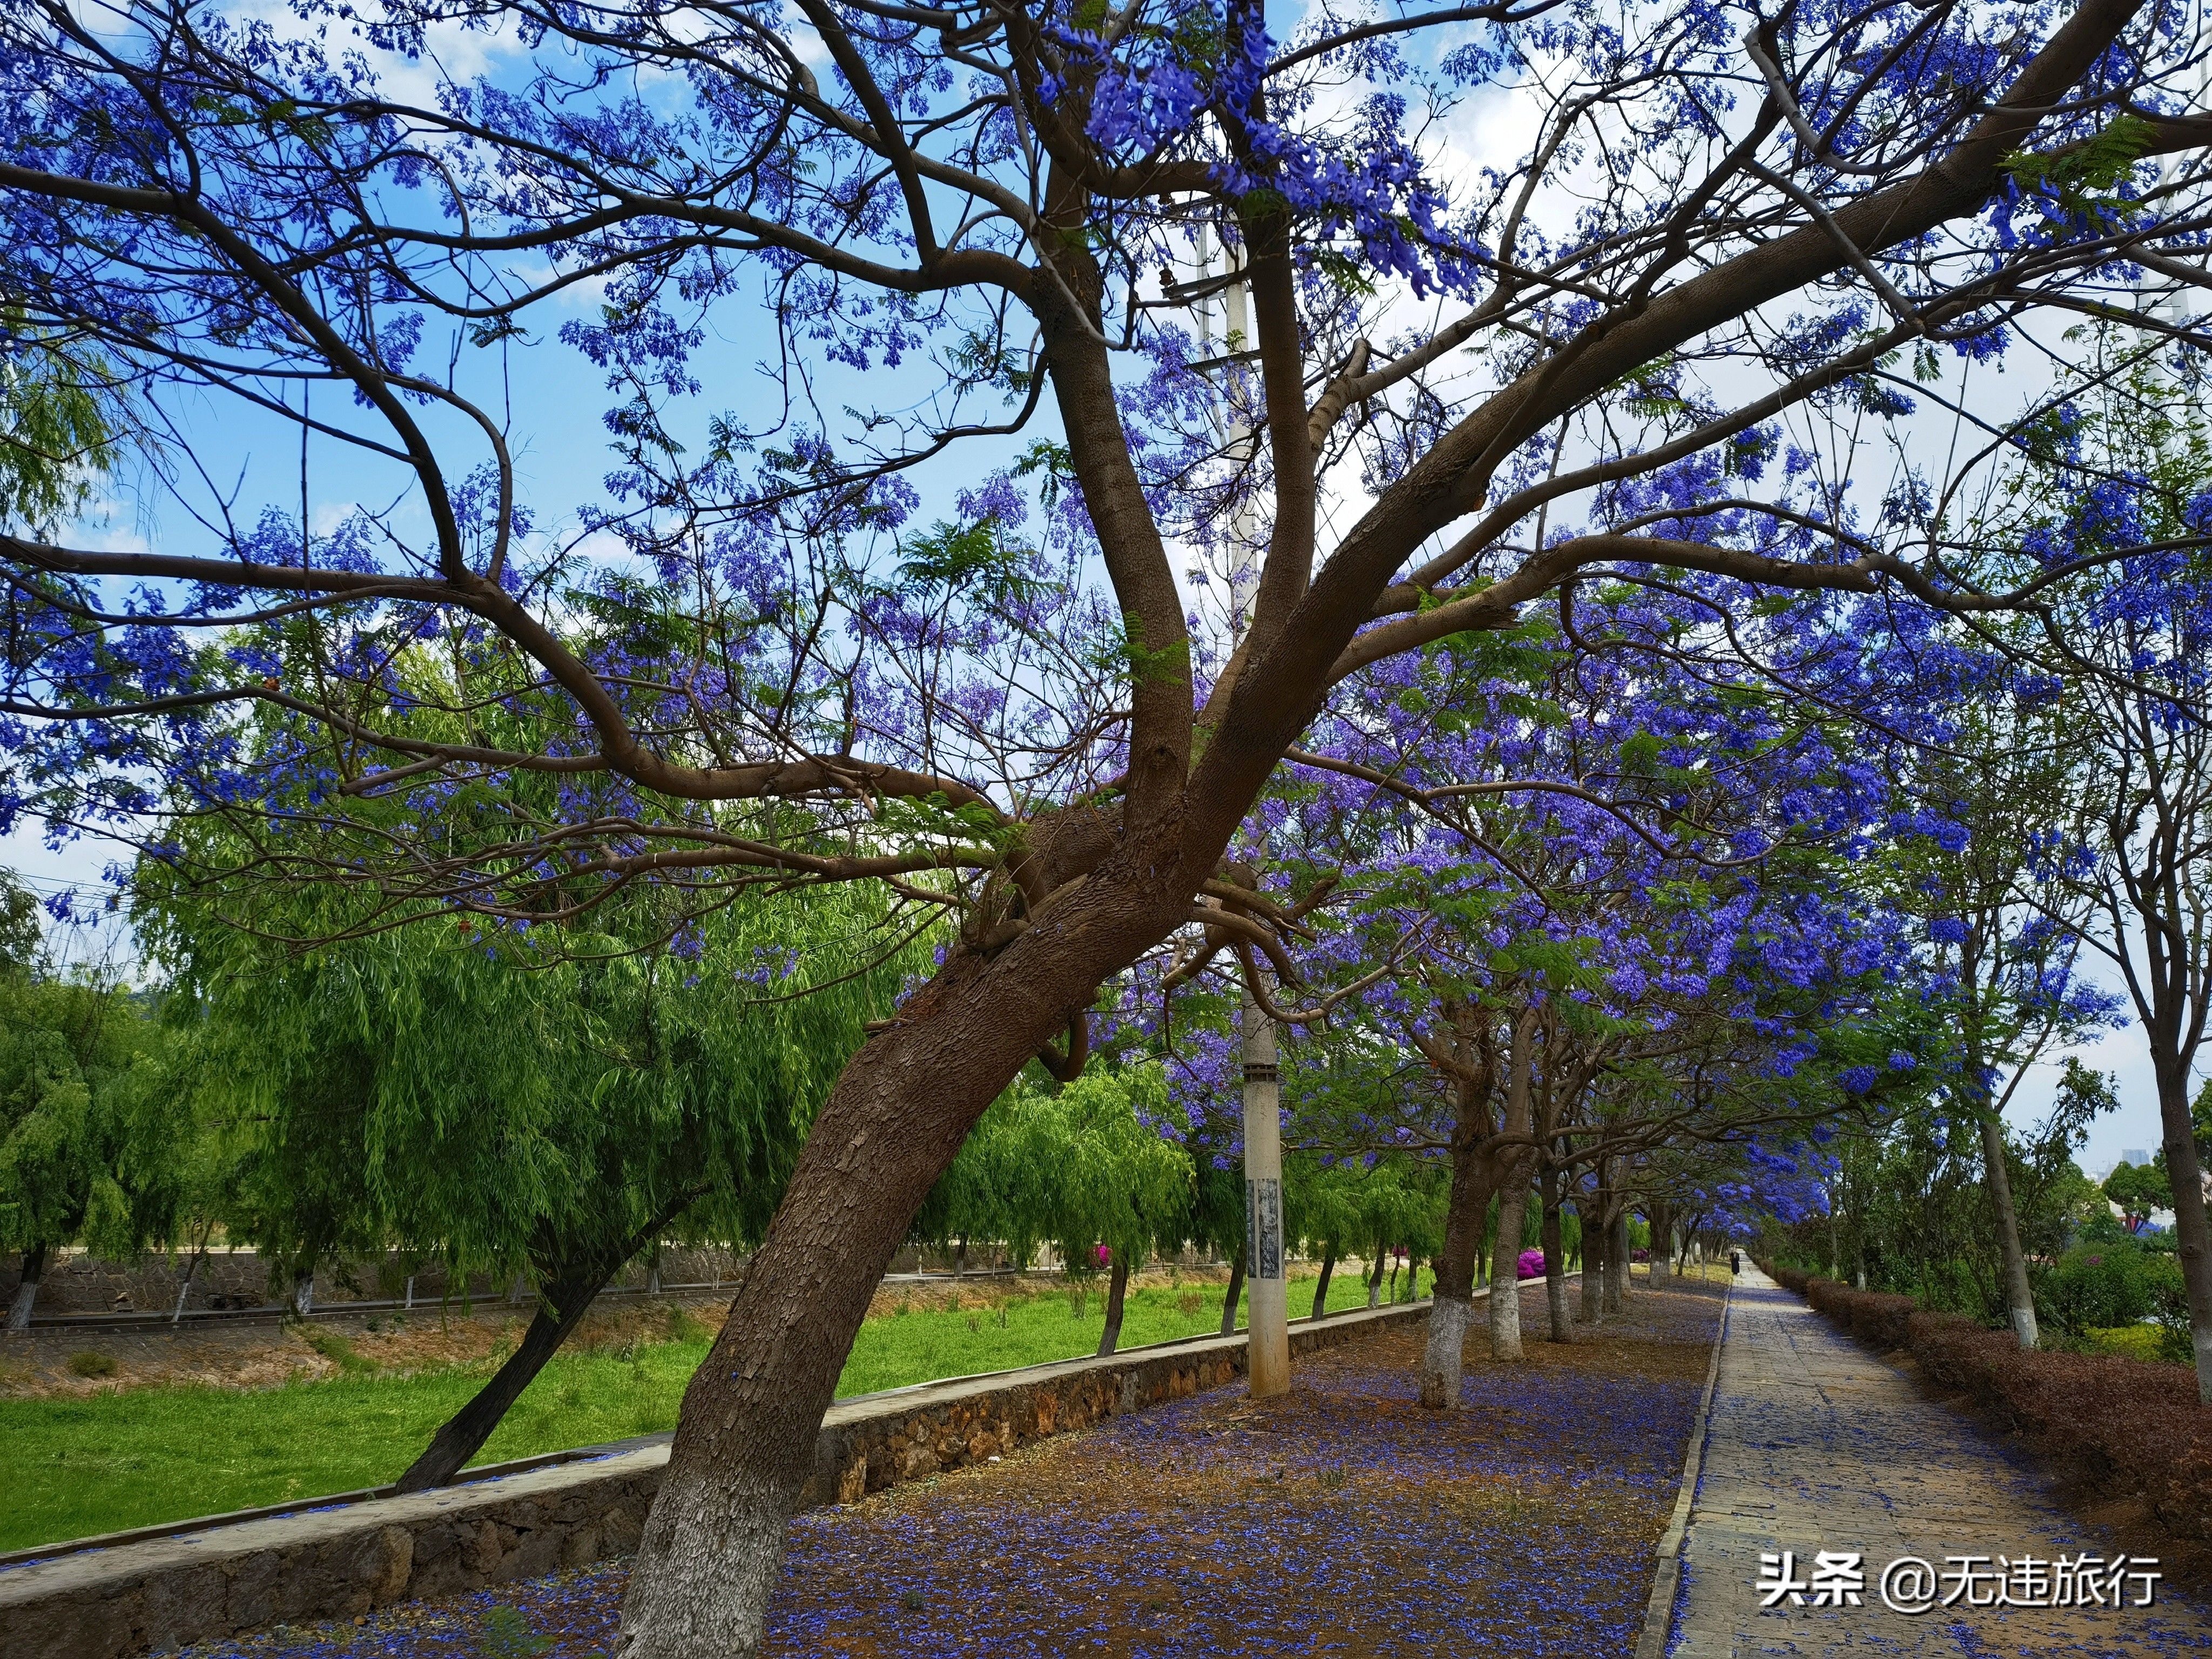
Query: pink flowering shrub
pixel 1530 1266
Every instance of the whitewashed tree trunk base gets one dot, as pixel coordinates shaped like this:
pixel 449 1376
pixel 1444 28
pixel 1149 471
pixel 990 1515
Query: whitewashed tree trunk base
pixel 1441 1359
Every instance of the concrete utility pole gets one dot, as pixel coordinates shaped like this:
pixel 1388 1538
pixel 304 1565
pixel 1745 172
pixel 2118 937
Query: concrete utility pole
pixel 1268 1364
pixel 1268 1339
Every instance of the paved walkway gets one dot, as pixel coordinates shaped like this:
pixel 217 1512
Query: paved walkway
pixel 1815 1444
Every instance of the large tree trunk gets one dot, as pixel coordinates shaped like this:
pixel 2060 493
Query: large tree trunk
pixel 1321 1285
pixel 1117 1293
pixel 1506 1278
pixel 745 1439
pixel 1471 1183
pixel 1375 1276
pixel 1555 1262
pixel 1663 1240
pixel 464 1434
pixel 2018 1296
pixel 1593 1301
pixel 1513 1196
pixel 1235 1293
pixel 2192 1235
pixel 1617 1256
pixel 26 1293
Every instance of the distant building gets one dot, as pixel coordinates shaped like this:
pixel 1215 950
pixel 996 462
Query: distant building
pixel 2134 1155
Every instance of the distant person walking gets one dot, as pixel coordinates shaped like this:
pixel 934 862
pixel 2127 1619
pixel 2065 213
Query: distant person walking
pixel 1736 1262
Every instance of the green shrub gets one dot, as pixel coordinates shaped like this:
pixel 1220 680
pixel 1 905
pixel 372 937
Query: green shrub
pixel 2100 1287
pixel 89 1364
pixel 2126 1341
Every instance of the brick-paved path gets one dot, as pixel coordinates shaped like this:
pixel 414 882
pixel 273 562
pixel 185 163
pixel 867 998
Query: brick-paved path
pixel 1816 1444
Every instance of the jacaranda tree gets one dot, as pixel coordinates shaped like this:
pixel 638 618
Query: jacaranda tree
pixel 904 607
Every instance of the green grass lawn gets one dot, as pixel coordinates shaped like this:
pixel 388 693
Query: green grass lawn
pixel 73 1467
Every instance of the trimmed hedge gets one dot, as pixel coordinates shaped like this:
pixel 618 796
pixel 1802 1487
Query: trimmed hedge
pixel 2126 1428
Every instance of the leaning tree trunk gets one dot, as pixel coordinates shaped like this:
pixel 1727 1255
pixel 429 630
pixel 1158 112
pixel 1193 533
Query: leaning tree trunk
pixel 1321 1285
pixel 2019 1298
pixel 191 1271
pixel 1374 1277
pixel 1235 1291
pixel 1555 1262
pixel 1117 1293
pixel 26 1293
pixel 746 1437
pixel 2191 1233
pixel 464 1432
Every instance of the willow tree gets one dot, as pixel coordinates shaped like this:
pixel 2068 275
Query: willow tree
pixel 1081 1166
pixel 947 223
pixel 549 1102
pixel 93 1140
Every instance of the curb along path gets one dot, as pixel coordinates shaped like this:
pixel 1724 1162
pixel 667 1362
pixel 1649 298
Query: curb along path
pixel 169 1586
pixel 1815 1444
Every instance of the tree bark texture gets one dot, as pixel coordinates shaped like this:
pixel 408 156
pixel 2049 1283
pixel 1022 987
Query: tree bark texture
pixel 1117 1292
pixel 1235 1292
pixel 1321 1285
pixel 1593 1288
pixel 1374 1277
pixel 1618 1258
pixel 1443 1356
pixel 1513 1195
pixel 1505 1282
pixel 1468 1208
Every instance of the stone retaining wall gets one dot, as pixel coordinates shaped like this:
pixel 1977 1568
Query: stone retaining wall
pixel 153 1594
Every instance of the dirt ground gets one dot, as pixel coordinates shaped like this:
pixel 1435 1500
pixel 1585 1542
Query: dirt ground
pixel 1342 1519
pixel 251 1354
